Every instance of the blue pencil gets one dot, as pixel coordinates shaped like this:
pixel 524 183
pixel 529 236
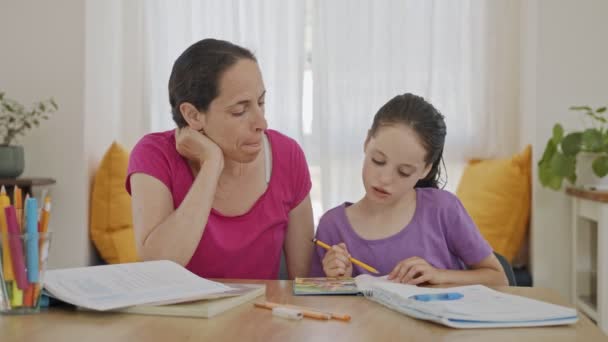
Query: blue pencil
pixel 31 229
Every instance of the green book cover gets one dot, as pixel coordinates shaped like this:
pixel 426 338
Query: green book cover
pixel 325 286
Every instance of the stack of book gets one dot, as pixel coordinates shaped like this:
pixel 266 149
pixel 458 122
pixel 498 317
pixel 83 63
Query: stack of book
pixel 153 287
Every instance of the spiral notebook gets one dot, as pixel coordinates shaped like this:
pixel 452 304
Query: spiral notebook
pixel 479 307
pixel 325 286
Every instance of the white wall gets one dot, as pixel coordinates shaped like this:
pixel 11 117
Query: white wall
pixel 47 51
pixel 43 56
pixel 564 54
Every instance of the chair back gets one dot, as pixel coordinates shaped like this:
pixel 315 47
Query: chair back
pixel 506 266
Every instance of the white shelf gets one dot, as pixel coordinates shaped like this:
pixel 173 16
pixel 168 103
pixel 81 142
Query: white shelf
pixel 586 305
pixel 589 259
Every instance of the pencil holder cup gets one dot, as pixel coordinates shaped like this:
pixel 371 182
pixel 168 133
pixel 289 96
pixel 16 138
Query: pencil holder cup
pixel 23 264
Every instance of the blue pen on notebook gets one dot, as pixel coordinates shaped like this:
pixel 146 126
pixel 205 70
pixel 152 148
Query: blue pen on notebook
pixel 437 296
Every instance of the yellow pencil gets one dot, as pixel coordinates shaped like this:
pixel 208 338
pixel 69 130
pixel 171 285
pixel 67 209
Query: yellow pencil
pixel 353 260
pixel 7 263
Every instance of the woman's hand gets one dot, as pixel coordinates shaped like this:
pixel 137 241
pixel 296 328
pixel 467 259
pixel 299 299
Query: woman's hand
pixel 336 262
pixel 197 147
pixel 415 271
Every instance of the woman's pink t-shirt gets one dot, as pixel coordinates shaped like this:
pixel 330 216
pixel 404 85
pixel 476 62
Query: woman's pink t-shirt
pixel 246 246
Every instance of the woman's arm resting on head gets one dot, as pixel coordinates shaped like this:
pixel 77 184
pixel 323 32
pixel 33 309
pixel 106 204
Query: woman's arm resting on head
pixel 162 232
pixel 298 240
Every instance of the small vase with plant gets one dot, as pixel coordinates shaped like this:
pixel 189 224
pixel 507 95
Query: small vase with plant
pixel 15 121
pixel 570 155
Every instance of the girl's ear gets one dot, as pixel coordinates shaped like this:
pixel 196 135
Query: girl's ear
pixel 426 171
pixel 193 117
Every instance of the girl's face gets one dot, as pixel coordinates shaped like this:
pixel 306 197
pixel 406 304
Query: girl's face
pixel 394 162
pixel 235 119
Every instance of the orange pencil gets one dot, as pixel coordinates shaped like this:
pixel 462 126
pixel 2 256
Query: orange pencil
pixel 43 226
pixel 28 295
pixel 45 215
pixel 18 204
pixel 353 260
pixel 36 294
pixel 340 317
pixel 307 313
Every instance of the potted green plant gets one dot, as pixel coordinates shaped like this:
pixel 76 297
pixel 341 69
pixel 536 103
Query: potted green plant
pixel 15 120
pixel 567 156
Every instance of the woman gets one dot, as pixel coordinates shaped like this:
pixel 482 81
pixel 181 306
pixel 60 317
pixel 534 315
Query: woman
pixel 221 194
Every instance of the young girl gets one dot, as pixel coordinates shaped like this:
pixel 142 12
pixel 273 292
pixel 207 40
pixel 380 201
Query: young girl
pixel 405 226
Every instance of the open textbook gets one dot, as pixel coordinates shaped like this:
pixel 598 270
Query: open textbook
pixel 473 306
pixel 110 287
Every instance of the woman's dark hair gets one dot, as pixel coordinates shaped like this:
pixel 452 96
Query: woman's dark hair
pixel 425 120
pixel 196 73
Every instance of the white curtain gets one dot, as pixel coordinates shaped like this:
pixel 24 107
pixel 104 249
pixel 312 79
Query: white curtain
pixel 114 74
pixel 131 47
pixel 462 56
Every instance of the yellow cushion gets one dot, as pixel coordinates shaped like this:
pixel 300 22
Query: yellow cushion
pixel 497 195
pixel 111 223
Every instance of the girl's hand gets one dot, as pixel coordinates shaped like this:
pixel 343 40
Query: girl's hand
pixel 336 262
pixel 415 271
pixel 197 147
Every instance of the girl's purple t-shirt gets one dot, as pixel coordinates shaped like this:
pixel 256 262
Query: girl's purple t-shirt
pixel 246 246
pixel 441 232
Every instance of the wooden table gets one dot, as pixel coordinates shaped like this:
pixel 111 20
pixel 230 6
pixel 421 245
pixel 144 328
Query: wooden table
pixel 370 322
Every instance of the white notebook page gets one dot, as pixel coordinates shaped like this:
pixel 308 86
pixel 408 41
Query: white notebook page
pixel 115 286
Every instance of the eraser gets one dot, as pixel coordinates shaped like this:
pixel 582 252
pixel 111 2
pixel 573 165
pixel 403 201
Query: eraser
pixel 288 313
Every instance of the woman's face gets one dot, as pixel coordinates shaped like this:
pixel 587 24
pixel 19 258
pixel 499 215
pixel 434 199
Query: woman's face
pixel 394 162
pixel 235 118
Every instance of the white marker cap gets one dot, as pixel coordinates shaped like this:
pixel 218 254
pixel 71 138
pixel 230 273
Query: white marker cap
pixel 288 313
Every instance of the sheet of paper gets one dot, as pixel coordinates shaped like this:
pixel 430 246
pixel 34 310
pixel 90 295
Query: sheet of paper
pixel 480 302
pixel 116 286
pixel 367 282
